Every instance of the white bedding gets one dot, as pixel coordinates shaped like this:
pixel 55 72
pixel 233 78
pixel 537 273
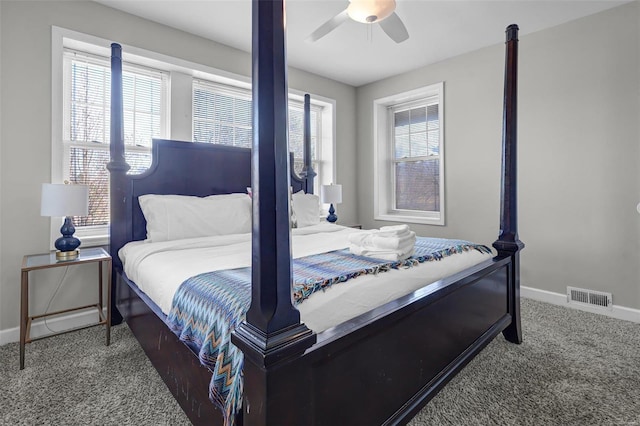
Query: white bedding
pixel 159 268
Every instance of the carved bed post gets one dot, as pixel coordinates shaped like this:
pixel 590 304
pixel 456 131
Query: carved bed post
pixel 272 331
pixel 508 244
pixel 307 170
pixel 118 168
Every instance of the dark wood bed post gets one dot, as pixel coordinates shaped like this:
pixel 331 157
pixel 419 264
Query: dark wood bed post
pixel 307 170
pixel 508 244
pixel 118 168
pixel 272 332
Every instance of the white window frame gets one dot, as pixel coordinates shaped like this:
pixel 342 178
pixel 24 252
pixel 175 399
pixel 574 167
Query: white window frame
pixel 61 38
pixel 384 160
pixel 98 234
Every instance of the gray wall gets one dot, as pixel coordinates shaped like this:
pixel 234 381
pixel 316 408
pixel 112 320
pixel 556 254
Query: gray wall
pixel 25 58
pixel 578 151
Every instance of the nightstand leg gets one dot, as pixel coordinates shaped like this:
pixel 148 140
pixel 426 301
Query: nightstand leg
pixel 100 291
pixel 108 300
pixel 24 314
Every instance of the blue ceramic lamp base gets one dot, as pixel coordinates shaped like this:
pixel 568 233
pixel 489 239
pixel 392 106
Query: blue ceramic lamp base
pixel 332 214
pixel 67 245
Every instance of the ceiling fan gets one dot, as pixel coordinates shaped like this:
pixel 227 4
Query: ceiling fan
pixel 367 12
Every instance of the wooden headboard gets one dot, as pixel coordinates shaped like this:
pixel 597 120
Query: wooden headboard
pixel 182 168
pixel 191 168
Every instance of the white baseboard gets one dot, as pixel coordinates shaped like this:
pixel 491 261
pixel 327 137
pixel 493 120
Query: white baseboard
pixel 58 323
pixel 616 311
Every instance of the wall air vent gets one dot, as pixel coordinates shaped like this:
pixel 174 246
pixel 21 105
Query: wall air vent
pixel 595 299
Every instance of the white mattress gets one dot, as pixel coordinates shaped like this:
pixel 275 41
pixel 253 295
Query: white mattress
pixel 159 268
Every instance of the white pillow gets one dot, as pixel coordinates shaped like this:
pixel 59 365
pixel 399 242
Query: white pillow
pixel 173 217
pixel 239 195
pixel 305 208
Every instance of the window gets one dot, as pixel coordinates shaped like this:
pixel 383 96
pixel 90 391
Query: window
pixel 409 160
pixel 86 99
pixel 222 114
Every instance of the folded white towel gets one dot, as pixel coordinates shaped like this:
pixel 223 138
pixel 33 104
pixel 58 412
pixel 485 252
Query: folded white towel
pixel 394 230
pixel 373 241
pixel 403 228
pixel 393 243
pixel 391 255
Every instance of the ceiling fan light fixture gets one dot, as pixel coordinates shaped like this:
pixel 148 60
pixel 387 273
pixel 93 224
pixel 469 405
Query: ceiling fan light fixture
pixel 370 11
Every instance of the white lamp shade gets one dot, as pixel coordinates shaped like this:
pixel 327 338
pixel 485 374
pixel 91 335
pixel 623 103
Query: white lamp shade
pixel 331 194
pixel 370 11
pixel 64 200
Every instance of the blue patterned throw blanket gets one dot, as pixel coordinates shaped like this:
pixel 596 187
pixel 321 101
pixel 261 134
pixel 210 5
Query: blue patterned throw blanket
pixel 207 307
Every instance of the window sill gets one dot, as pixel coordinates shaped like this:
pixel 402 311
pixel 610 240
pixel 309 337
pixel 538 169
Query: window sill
pixel 93 240
pixel 439 221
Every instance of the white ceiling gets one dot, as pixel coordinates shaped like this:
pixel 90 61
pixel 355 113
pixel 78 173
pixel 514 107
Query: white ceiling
pixel 357 53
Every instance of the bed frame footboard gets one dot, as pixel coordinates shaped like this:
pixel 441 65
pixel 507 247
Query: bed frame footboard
pixel 391 361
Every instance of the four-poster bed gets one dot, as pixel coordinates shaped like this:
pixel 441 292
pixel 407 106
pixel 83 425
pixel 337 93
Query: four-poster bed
pixel 379 367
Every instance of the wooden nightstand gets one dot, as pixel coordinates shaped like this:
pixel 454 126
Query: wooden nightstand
pixel 48 260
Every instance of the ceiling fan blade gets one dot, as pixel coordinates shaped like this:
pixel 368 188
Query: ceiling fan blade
pixel 328 26
pixel 394 28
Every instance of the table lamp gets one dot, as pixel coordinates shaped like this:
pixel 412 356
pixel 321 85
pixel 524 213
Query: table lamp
pixel 331 194
pixel 65 200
